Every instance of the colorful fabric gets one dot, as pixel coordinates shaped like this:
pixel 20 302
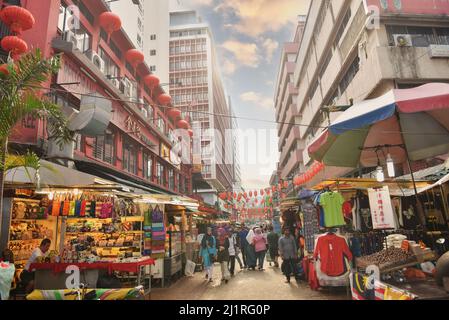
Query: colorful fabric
pixel 83 208
pixel 78 208
pixel 89 294
pixel 332 203
pixel 72 209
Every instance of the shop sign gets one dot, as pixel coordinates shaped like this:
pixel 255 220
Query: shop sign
pixel 133 128
pixel 381 209
pixel 427 7
pixel 439 51
pixel 165 152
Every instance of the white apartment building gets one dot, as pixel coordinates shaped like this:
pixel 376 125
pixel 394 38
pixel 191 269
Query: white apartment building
pixel 197 89
pixel 347 53
pixel 147 24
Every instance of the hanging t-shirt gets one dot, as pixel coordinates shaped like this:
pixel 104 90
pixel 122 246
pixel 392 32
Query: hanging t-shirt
pixel 332 203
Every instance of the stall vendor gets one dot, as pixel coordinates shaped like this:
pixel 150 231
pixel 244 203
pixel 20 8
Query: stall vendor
pixel 27 276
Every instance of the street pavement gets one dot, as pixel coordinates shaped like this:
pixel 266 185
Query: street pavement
pixel 245 285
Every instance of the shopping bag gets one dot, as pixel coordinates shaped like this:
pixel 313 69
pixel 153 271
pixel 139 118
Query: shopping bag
pixel 189 270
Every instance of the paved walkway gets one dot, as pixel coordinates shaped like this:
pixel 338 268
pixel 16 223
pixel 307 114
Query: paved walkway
pixel 246 285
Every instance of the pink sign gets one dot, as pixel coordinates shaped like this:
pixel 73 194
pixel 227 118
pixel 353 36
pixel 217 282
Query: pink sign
pixel 426 7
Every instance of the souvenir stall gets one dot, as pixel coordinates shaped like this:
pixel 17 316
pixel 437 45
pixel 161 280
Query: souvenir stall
pixel 97 228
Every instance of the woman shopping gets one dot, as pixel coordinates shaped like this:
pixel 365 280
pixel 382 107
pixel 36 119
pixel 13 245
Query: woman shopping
pixel 208 253
pixel 260 247
pixel 223 254
pixel 251 259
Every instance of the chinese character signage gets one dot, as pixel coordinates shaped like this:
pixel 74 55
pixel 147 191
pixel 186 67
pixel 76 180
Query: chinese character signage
pixel 427 7
pixel 381 209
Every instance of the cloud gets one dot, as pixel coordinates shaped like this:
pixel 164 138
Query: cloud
pixel 256 17
pixel 197 3
pixel 270 47
pixel 245 53
pixel 228 67
pixel 257 99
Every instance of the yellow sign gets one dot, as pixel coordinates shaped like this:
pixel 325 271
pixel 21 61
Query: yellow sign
pixel 165 152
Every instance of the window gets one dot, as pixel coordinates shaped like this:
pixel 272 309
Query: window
pixel 86 13
pixel 65 16
pixel 161 124
pixel 104 148
pixel 349 75
pixel 112 45
pixel 129 158
pixel 152 52
pixel 160 174
pixel 153 37
pixel 147 166
pixel 171 179
pixel 343 26
pixel 421 36
pixel 153 68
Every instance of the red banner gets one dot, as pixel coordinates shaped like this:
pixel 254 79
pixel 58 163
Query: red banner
pixel 427 7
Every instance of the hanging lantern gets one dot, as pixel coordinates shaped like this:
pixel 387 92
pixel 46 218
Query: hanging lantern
pixel 261 192
pixel 110 22
pixel 18 19
pixel 268 191
pixel 273 188
pixel 164 99
pixel 182 124
pixel 14 45
pixel 134 57
pixel 285 184
pixel 255 193
pixel 190 131
pixel 297 181
pixel 151 81
pixel 235 195
pixel 250 194
pixel 174 113
pixel 245 195
pixel 222 196
pixel 4 69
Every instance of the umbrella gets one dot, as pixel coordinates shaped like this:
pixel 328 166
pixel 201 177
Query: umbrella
pixel 413 124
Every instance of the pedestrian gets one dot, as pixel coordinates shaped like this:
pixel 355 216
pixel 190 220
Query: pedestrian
pixel 260 247
pixel 251 258
pixel 289 254
pixel 208 253
pixel 244 244
pixel 223 245
pixel 273 246
pixel 233 252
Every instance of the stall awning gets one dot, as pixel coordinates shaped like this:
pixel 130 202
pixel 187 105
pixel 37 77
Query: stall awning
pixel 53 175
pixel 172 200
pixel 397 187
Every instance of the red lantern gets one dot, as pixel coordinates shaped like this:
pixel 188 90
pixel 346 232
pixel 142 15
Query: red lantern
pixel 4 69
pixel 297 181
pixel 164 99
pixel 235 195
pixel 261 192
pixel 273 188
pixel 245 195
pixel 255 193
pixel 268 191
pixel 151 81
pixel 134 57
pixel 285 184
pixel 250 194
pixel 182 124
pixel 190 131
pixel 18 19
pixel 174 113
pixel 14 45
pixel 110 22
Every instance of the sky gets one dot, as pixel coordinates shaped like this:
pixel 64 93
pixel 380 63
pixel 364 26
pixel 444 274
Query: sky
pixel 249 35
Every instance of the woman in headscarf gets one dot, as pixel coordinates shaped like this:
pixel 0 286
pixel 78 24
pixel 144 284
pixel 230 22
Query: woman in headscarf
pixel 260 247
pixel 209 253
pixel 251 252
pixel 223 253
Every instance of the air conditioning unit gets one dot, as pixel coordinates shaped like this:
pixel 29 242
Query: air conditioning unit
pixel 70 36
pixel 128 88
pixel 144 111
pixel 116 83
pixel 403 40
pixel 96 60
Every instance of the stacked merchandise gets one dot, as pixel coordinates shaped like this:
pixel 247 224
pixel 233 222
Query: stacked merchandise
pixel 395 241
pixel 147 224
pixel 158 233
pixel 389 258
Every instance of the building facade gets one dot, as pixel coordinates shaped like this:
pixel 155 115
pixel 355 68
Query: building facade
pixel 287 113
pixel 352 50
pixel 135 147
pixel 147 24
pixel 197 88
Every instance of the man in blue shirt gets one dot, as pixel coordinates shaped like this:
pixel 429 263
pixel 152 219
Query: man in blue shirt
pixel 243 244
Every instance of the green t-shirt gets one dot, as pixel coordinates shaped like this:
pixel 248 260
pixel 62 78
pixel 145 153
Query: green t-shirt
pixel 332 203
